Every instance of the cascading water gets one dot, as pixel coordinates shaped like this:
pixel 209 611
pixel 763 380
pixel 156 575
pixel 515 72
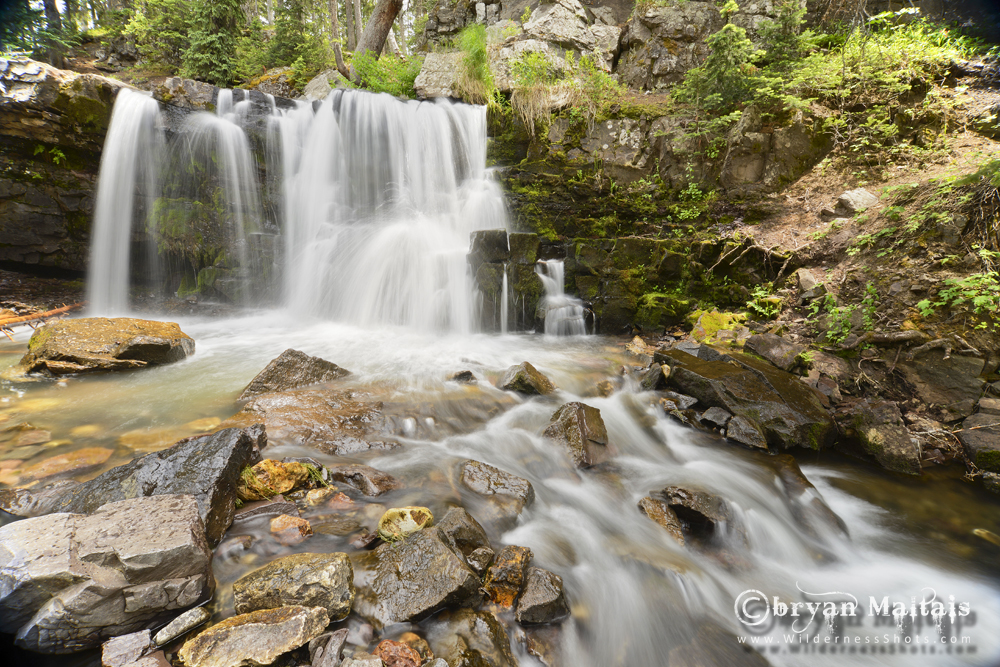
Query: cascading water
pixel 564 314
pixel 125 190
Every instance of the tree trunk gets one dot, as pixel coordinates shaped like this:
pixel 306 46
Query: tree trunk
pixel 53 50
pixel 358 22
pixel 338 56
pixel 352 40
pixel 391 44
pixel 72 9
pixel 379 26
pixel 270 13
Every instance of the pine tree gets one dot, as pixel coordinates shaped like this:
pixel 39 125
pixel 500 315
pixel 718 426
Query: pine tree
pixel 215 30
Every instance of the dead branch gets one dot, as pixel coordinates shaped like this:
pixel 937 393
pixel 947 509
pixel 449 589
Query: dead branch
pixel 26 319
pixel 895 338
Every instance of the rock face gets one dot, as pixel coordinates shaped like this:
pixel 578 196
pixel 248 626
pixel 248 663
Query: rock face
pixel 308 580
pixel 878 426
pixel 291 370
pixel 70 581
pixel 787 412
pixel 207 468
pixel 257 638
pixel 415 577
pixel 525 379
pixel 543 599
pixel 335 422
pixel 101 344
pixel 950 386
pixel 439 75
pixel 580 429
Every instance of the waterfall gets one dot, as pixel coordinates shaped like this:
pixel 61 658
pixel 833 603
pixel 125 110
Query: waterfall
pixel 128 169
pixel 504 296
pixel 564 314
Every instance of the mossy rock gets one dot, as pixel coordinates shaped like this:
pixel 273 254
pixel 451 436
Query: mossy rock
pixel 706 324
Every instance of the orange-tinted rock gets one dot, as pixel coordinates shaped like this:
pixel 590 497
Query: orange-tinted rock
pixel 506 577
pixel 418 644
pixel 81 459
pixel 659 511
pixel 290 530
pixel 397 654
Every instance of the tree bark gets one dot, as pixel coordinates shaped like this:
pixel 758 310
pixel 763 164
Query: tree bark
pixel 359 23
pixel 352 40
pixel 270 12
pixel 53 23
pixel 379 26
pixel 338 56
pixel 391 45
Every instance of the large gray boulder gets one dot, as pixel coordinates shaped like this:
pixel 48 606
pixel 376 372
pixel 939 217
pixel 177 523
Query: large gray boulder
pixel 207 468
pixel 439 75
pixel 308 580
pixel 70 581
pixel 291 370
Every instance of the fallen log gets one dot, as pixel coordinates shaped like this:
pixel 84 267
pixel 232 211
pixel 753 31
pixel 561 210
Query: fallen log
pixel 5 324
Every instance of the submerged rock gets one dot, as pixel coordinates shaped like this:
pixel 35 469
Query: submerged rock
pixel 467 537
pixel 505 578
pixel 580 429
pixel 207 467
pixel 543 599
pixel 486 480
pixel 365 479
pixel 292 370
pixel 257 638
pixel 308 580
pixel 525 379
pixel 72 581
pixel 659 511
pixel 416 577
pixel 399 523
pixel 102 344
pixel 469 637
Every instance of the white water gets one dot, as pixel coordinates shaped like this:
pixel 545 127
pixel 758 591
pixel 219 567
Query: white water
pixel 564 314
pixel 128 165
pixel 504 299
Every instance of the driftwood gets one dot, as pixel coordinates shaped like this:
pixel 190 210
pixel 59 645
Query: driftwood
pixel 6 323
pixel 948 344
pixel 894 338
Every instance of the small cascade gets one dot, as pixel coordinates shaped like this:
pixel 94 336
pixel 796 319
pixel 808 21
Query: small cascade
pixel 126 189
pixel 504 297
pixel 564 314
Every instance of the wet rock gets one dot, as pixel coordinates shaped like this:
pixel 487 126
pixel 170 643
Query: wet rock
pixel 334 422
pixel 543 599
pixel 467 537
pixel 878 427
pixel 506 577
pixel 463 377
pixel 525 379
pixel 698 511
pixel 786 411
pixel 637 351
pixel 806 504
pixel 523 247
pixel 745 432
pixel 181 625
pixel 980 436
pixel 659 511
pixel 991 481
pixel 716 417
pixel 777 350
pixel 125 649
pixel 290 530
pixel 488 246
pixel 469 635
pixel 72 581
pixel 325 650
pixel 689 418
pixel 307 580
pixel 269 478
pixel 101 344
pixel 271 507
pixel 292 370
pixel 365 479
pixel 713 646
pixel 399 523
pixel 673 401
pixel 580 429
pixel 655 377
pixel 35 501
pixel 545 643
pixel 397 654
pixel 363 659
pixel 257 638
pixel 207 467
pixel 950 386
pixel 855 201
pixel 487 480
pixel 77 461
pixel 415 577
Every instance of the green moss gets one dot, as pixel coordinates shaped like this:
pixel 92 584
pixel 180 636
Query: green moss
pixel 989 460
pixel 706 324
pixel 38 339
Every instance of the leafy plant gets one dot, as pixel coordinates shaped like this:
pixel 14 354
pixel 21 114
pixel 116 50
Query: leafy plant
pixel 762 303
pixel 388 74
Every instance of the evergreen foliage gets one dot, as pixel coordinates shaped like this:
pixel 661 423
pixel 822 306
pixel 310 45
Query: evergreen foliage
pixel 19 26
pixel 210 56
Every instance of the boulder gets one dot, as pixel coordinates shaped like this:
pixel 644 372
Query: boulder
pixel 786 411
pixel 659 511
pixel 980 436
pixel 505 578
pixel 257 638
pixel 207 467
pixel 525 379
pixel 70 581
pixel 187 94
pixel 469 637
pixel 745 432
pixel 102 344
pixel 440 75
pixel 467 537
pixel 487 481
pixel 414 578
pixel 399 523
pixel 700 513
pixel 878 427
pixel 334 422
pixel 365 479
pixel 951 387
pixel 307 580
pixel 777 350
pixel 543 599
pixel 855 201
pixel 292 370
pixel 580 429
pixel 320 85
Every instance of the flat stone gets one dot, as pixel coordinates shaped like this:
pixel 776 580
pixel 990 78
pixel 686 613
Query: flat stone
pixel 124 649
pixel 71 580
pixel 777 350
pixel 367 480
pixel 878 426
pixel 487 480
pixel 580 429
pixel 307 580
pixel 951 387
pixel 525 379
pixel 102 344
pixel 856 201
pixel 543 599
pixel 745 432
pixel 716 416
pixel 981 440
pixel 989 406
pixel 292 370
pixel 181 625
pixel 506 577
pixel 257 638
pixel 271 507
